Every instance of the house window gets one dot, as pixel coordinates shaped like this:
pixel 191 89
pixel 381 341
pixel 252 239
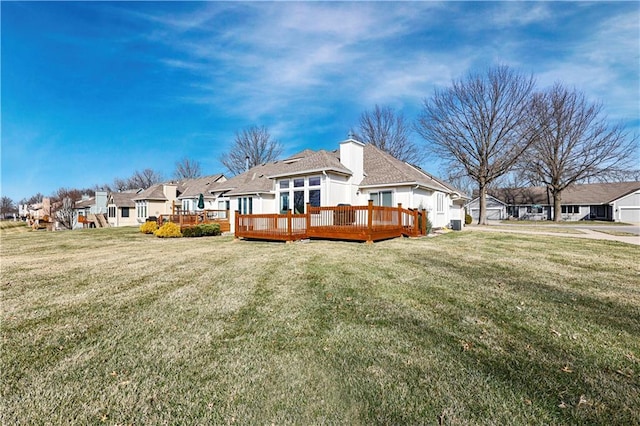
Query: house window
pixel 535 209
pixel 223 205
pixel 125 211
pixel 440 202
pixel 284 202
pixel 382 198
pixel 303 190
pixel 570 209
pixel 314 197
pixel 112 211
pixel 298 202
pixel 141 209
pixel 186 205
pixel 245 205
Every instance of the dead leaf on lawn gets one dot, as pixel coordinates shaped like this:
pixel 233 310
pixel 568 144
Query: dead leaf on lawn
pixel 563 405
pixel 556 332
pixel 583 401
pixel 466 346
pixel 631 357
pixel 566 369
pixel 625 374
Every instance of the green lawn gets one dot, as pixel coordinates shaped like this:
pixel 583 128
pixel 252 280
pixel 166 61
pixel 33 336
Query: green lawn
pixel 112 326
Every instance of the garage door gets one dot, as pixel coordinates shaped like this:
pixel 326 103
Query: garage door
pixel 492 214
pixel 631 214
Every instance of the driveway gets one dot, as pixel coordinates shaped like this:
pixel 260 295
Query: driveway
pixel 587 231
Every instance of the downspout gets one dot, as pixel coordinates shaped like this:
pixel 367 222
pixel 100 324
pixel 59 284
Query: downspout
pixel 326 191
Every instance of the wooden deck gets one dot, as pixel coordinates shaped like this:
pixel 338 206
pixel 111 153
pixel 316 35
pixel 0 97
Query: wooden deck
pixel 356 223
pixel 189 219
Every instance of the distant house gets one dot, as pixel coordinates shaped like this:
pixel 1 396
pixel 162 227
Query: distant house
pixel 170 197
pixel 193 188
pixel 86 209
pixel 619 201
pixel 353 175
pixel 122 208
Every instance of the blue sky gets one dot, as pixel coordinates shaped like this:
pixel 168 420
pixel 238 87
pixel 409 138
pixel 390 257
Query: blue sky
pixel 96 90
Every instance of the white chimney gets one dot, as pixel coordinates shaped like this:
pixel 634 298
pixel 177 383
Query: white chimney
pixel 352 157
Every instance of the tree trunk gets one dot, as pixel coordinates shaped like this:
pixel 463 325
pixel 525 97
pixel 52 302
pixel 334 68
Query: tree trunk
pixel 482 217
pixel 557 206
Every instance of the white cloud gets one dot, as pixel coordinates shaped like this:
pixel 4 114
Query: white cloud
pixel 606 66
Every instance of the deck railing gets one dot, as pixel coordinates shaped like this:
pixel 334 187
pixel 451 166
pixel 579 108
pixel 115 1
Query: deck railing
pixel 360 223
pixel 188 219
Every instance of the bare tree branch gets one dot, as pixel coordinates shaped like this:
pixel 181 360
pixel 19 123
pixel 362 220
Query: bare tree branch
pixel 254 143
pixel 144 179
pixel 575 144
pixel 383 128
pixel 480 125
pixel 187 169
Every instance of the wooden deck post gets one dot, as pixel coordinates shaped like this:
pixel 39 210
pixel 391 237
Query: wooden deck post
pixel 289 230
pixel 370 222
pixel 416 228
pixel 400 224
pixel 308 221
pixel 237 225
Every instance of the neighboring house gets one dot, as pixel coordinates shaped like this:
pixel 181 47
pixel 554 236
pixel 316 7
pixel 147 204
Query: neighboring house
pixel 87 207
pixel 618 201
pixel 122 208
pixel 203 185
pixel 169 197
pixel 353 174
pixel 496 209
pixel 156 200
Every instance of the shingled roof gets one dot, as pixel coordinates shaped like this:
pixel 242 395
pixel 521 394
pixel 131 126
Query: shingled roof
pixel 123 199
pixel 202 185
pixel 584 194
pixel 381 168
pixel 259 179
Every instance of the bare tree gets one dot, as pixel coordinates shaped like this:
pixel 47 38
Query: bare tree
pixel 63 204
pixel 575 144
pixel 7 206
pixel 144 179
pixel 187 169
pixel 253 143
pixel 34 199
pixel 383 128
pixel 481 125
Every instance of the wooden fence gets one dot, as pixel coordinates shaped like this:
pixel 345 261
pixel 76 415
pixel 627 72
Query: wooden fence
pixel 359 223
pixel 188 219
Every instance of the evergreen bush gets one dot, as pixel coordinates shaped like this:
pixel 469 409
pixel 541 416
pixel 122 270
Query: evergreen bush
pixel 210 229
pixel 468 219
pixel 193 231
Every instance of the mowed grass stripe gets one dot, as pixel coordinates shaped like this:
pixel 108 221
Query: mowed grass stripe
pixel 117 327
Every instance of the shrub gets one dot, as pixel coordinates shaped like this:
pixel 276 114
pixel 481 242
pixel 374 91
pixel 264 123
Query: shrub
pixel 429 226
pixel 168 230
pixel 468 219
pixel 204 230
pixel 193 231
pixel 210 229
pixel 148 227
